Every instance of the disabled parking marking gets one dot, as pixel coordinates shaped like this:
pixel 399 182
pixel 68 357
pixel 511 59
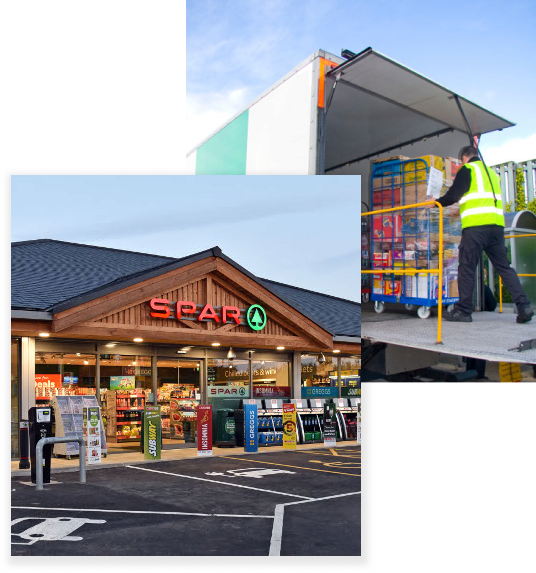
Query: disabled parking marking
pixel 289 466
pixel 249 472
pixel 50 529
pixel 222 482
pixel 138 511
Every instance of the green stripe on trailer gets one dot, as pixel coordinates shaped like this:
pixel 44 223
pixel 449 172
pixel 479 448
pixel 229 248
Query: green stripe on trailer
pixel 225 153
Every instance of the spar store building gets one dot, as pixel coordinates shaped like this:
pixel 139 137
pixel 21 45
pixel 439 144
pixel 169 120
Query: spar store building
pixel 89 320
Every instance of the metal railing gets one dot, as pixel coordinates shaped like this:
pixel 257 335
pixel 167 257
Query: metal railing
pixel 519 275
pixel 39 457
pixel 438 271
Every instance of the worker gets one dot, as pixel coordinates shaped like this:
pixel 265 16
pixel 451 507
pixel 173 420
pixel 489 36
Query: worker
pixel 482 218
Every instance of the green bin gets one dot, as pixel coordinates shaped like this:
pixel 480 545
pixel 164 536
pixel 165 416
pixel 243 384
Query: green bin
pixel 225 428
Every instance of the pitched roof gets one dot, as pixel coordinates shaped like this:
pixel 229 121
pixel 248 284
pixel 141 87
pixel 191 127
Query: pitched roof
pixel 50 275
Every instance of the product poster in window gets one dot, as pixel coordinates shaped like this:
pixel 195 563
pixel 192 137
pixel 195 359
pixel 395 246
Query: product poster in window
pixel 92 434
pixel 122 382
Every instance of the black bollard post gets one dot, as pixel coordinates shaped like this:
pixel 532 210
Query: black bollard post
pixel 24 463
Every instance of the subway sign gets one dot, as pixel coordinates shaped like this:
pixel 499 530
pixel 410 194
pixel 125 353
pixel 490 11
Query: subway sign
pixel 254 317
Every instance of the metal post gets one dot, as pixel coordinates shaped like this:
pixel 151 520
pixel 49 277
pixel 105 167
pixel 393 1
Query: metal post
pixel 154 377
pixel 339 378
pixel 63 440
pixel 97 377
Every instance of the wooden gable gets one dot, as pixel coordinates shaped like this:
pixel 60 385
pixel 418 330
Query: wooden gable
pixel 126 314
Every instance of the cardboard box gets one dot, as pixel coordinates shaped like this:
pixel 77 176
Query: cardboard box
pixel 381 259
pixel 386 198
pixel 388 161
pixel 452 166
pixel 453 288
pixel 387 226
pixel 416 170
pixel 418 286
pixel 382 181
pixel 415 193
pixel 392 288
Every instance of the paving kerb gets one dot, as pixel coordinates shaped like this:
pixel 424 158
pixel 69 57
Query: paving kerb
pixel 60 465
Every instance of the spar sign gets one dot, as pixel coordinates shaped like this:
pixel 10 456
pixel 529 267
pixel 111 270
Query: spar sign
pixel 204 430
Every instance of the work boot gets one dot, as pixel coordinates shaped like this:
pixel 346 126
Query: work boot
pixel 457 316
pixel 525 314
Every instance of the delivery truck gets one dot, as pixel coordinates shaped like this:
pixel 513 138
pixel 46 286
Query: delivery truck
pixel 334 115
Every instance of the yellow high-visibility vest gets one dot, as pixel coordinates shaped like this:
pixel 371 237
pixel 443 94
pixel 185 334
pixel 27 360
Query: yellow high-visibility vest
pixel 477 206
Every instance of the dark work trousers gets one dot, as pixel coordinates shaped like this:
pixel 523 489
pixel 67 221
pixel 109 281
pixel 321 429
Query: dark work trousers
pixel 490 239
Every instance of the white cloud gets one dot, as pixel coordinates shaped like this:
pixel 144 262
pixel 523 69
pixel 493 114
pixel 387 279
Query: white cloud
pixel 517 150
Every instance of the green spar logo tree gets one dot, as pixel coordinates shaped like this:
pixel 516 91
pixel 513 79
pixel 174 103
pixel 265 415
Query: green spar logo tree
pixel 258 320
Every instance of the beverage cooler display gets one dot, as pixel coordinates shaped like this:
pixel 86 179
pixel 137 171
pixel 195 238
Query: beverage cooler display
pixel 347 417
pixel 270 422
pixel 309 420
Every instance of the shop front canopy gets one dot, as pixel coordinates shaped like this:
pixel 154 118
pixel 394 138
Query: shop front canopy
pixel 375 105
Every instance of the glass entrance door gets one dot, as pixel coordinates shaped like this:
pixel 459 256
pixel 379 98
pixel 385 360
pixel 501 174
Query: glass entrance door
pixel 178 395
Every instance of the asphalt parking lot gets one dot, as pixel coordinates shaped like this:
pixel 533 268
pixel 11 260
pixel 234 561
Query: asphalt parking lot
pixel 281 503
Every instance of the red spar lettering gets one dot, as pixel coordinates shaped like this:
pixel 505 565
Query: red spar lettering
pixel 230 312
pixel 208 312
pixel 160 304
pixel 185 306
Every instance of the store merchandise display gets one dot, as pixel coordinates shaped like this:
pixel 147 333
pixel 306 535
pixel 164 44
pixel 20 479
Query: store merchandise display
pixel 182 417
pixel 409 239
pixel 124 414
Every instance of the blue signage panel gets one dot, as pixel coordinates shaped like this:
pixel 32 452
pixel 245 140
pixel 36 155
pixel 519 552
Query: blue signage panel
pixel 319 392
pixel 250 428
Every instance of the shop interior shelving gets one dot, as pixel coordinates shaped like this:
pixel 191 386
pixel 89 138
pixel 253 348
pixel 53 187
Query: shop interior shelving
pixel 124 413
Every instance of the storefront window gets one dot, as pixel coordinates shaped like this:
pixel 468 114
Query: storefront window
pixel 350 377
pixel 126 383
pixel 271 379
pixel 125 372
pixel 63 374
pixel 319 376
pixel 227 382
pixel 15 365
pixel 178 393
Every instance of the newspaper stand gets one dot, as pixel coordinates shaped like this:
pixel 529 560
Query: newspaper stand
pixel 408 239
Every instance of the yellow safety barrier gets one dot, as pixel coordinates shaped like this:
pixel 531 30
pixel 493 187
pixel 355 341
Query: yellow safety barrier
pixel 519 275
pixel 439 271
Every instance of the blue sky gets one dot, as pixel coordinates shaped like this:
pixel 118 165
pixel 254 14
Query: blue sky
pixel 482 50
pixel 302 231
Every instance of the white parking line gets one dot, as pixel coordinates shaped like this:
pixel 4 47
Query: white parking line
pixel 277 529
pixel 221 482
pixel 139 511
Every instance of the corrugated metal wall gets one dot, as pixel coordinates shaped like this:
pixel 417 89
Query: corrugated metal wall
pixel 507 173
